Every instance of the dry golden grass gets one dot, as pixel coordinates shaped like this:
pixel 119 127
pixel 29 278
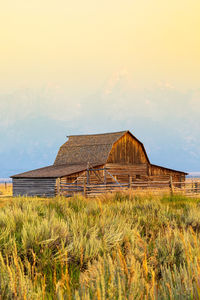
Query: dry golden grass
pixel 5 193
pixel 6 189
pixel 117 246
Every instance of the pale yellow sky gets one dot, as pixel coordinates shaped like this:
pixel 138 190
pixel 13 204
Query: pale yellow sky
pixel 79 44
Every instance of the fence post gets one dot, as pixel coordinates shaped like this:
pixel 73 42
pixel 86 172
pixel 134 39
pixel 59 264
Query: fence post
pixel 171 186
pixel 88 173
pixel 84 189
pixel 184 188
pixel 58 186
pixel 130 182
pixel 104 174
pixel 195 187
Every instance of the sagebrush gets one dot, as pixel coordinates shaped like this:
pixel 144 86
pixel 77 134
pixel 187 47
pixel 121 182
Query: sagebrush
pixel 119 246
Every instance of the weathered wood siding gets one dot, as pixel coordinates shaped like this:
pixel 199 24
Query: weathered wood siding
pixel 34 187
pixel 127 150
pixel 94 177
pixel 123 172
pixel 157 173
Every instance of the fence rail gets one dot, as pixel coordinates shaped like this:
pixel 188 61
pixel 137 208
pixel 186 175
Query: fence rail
pixel 188 187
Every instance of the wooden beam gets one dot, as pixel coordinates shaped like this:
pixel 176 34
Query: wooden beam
pixel 171 186
pixel 84 189
pixel 88 174
pixel 104 173
pixel 96 174
pixel 113 177
pixel 58 187
pixel 130 181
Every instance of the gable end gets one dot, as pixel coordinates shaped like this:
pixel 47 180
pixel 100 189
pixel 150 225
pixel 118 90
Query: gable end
pixel 128 150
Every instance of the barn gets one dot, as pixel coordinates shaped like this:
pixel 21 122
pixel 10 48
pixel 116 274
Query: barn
pixel 96 159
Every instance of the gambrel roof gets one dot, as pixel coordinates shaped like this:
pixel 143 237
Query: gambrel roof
pixel 74 155
pixel 92 148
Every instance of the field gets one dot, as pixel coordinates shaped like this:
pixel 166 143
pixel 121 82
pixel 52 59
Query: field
pixel 5 189
pixel 5 193
pixel 118 246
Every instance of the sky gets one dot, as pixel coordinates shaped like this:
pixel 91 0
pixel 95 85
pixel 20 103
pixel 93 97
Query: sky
pixel 71 67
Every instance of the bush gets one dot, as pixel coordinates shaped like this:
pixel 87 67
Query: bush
pixel 112 247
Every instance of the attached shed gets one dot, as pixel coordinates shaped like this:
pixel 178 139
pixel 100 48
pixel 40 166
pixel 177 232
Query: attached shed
pixel 100 158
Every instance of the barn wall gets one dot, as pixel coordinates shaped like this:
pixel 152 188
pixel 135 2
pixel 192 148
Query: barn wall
pixel 34 186
pixel 159 173
pixel 72 178
pixel 79 177
pixel 127 150
pixel 123 172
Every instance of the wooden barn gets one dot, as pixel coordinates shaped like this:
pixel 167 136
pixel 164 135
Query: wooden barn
pixel 96 160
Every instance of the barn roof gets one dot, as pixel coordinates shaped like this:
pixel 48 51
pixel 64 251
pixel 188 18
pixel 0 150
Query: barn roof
pixel 52 171
pixel 74 155
pixel 93 148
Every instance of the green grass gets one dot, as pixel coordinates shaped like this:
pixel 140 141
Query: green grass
pixel 118 246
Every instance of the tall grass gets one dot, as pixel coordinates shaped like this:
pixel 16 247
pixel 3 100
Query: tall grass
pixel 5 189
pixel 117 246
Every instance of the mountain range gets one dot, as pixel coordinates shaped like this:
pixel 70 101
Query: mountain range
pixel 34 123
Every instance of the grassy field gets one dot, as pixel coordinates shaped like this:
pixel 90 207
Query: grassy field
pixel 119 246
pixel 6 189
pixel 5 194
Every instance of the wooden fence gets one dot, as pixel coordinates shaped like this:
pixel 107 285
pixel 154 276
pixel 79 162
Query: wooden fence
pixel 191 188
pixel 188 188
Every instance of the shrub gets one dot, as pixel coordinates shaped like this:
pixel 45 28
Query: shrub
pixel 113 247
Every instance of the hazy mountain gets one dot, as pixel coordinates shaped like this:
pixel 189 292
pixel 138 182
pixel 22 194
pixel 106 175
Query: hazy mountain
pixel 33 124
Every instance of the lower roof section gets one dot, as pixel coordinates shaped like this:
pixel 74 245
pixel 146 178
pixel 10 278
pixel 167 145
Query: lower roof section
pixel 53 171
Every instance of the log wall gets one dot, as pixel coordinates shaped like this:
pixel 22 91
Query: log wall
pixel 157 173
pixel 80 177
pixel 123 172
pixel 34 187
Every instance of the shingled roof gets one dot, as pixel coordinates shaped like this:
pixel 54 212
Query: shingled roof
pixel 52 171
pixel 93 148
pixel 74 155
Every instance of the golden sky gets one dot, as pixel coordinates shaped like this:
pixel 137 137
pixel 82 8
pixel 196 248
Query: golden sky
pixel 81 43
